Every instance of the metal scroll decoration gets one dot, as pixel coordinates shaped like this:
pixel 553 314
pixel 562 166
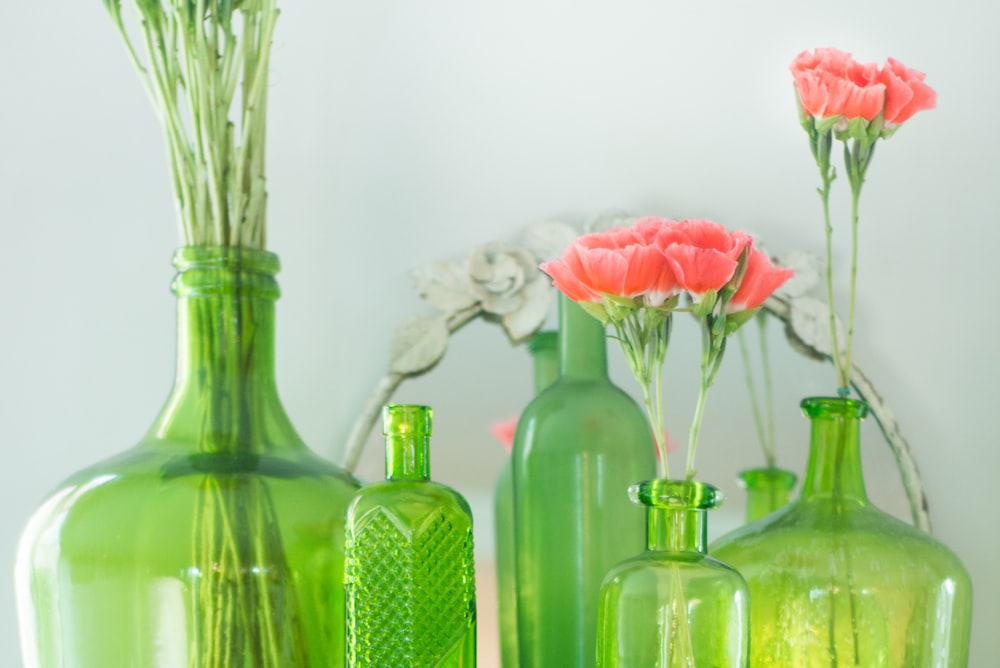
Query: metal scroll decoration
pixel 500 282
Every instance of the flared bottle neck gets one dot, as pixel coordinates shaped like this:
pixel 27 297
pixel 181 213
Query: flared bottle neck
pixel 407 430
pixel 834 468
pixel 676 513
pixel 583 352
pixel 225 397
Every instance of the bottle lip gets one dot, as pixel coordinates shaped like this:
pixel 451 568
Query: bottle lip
pixel 407 419
pixel 772 474
pixel 678 494
pixel 817 407
pixel 226 257
pixel 544 340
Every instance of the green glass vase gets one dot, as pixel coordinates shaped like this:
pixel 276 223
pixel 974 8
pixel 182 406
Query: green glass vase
pixel 768 488
pixel 578 445
pixel 545 357
pixel 215 542
pixel 410 572
pixel 834 581
pixel 673 606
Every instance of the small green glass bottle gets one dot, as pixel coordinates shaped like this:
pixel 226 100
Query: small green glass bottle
pixel 544 353
pixel 836 582
pixel 578 445
pixel 768 489
pixel 409 568
pixel 673 605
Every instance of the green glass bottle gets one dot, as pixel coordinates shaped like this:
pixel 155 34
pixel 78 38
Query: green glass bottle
pixel 673 606
pixel 410 572
pixel 578 445
pixel 544 353
pixel 834 581
pixel 768 488
pixel 209 543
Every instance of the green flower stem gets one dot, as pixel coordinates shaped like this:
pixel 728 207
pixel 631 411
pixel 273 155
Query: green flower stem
pixel 827 175
pixel 857 161
pixel 713 346
pixel 644 335
pixel 765 356
pixel 758 419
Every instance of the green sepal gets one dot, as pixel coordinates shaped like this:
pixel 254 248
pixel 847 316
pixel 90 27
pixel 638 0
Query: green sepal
pixel 825 125
pixel 736 320
pixel 703 308
pixel 596 310
pixel 617 307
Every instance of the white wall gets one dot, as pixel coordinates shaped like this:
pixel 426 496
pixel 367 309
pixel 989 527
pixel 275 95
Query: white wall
pixel 406 132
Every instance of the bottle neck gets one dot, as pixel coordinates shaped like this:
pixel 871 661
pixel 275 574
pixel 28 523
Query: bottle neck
pixel 675 513
pixel 834 468
pixel 407 429
pixel 768 489
pixel 582 343
pixel 676 530
pixel 406 457
pixel 545 357
pixel 225 397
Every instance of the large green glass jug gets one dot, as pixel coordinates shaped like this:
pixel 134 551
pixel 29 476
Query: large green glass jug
pixel 835 581
pixel 578 445
pixel 217 541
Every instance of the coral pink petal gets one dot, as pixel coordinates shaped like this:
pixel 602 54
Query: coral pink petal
pixel 605 270
pixel 567 274
pixel 906 92
pixel 504 431
pixel 699 270
pixel 760 280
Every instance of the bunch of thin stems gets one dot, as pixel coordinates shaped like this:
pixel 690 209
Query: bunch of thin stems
pixel 201 61
pixel 763 418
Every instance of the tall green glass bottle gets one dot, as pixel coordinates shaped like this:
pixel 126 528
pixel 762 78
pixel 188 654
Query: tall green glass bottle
pixel 208 544
pixel 410 572
pixel 834 581
pixel 768 488
pixel 544 353
pixel 578 446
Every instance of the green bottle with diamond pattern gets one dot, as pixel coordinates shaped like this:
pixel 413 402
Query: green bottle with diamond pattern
pixel 409 570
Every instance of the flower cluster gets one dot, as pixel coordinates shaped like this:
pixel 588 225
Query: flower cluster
pixel 636 277
pixel 856 104
pixel 836 91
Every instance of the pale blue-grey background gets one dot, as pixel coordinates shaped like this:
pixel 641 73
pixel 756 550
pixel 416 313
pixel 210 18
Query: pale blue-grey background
pixel 404 132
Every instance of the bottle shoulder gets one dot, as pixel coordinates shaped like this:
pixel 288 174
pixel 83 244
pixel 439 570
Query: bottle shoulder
pixel 820 526
pixel 411 500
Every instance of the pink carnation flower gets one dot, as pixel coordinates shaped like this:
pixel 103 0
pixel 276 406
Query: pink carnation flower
pixel 831 83
pixel 504 430
pixel 906 93
pixel 617 262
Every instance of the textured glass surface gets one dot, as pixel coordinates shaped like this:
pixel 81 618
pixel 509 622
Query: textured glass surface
pixel 767 490
pixel 545 358
pixel 218 539
pixel 672 606
pixel 836 582
pixel 410 572
pixel 578 446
